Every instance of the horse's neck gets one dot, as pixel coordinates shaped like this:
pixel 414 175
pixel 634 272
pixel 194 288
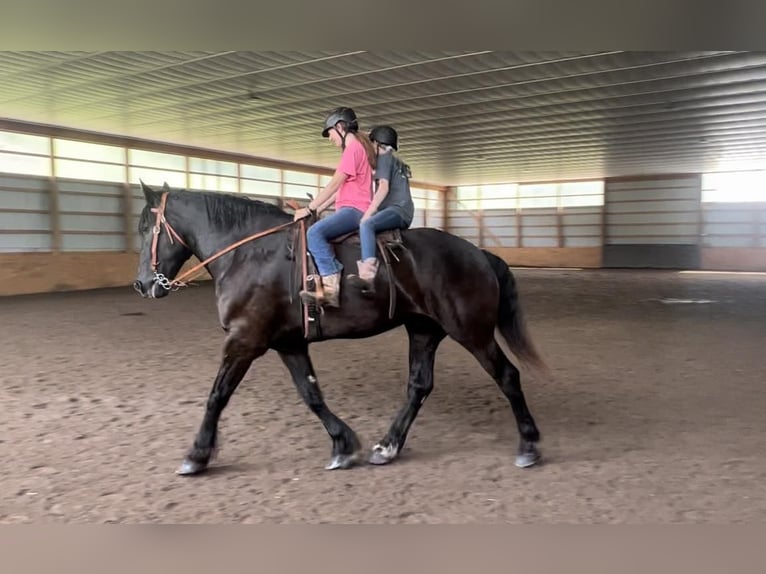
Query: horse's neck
pixel 205 241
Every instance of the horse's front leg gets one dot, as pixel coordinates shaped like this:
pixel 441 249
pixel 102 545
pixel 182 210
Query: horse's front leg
pixel 238 355
pixel 346 448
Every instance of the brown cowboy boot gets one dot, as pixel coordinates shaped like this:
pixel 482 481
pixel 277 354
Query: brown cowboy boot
pixel 367 270
pixel 327 293
pixel 331 285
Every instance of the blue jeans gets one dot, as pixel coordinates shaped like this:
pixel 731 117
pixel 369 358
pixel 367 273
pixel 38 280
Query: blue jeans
pixel 344 220
pixel 381 221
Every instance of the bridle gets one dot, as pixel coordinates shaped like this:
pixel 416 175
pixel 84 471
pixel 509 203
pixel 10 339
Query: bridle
pixel 179 281
pixel 163 281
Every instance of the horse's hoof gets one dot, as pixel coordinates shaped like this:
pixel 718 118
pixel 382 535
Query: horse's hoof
pixel 378 458
pixel 382 454
pixel 342 461
pixel 189 467
pixel 530 457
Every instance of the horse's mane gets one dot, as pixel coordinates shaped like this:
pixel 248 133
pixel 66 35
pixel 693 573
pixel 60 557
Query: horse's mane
pixel 226 211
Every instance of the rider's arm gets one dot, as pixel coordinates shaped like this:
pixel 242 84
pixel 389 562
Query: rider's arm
pixel 325 197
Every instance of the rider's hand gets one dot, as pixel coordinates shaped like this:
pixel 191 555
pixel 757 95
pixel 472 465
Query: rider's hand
pixel 301 213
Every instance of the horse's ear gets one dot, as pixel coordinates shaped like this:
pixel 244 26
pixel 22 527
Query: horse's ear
pixel 152 197
pixel 165 186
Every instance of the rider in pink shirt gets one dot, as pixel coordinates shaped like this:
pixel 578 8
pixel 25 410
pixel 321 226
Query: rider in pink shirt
pixel 356 190
pixel 351 190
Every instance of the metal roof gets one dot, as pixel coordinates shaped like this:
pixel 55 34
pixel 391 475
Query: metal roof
pixel 463 117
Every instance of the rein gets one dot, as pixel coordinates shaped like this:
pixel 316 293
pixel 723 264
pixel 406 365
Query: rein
pixel 180 280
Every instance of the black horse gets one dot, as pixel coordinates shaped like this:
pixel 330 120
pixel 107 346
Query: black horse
pixel 444 285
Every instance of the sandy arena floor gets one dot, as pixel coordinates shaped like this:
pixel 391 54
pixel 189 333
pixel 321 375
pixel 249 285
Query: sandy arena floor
pixel 656 413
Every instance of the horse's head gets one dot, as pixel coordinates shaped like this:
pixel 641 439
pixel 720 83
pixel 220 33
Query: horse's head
pixel 163 250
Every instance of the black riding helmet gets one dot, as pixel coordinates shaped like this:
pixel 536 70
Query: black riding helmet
pixel 346 115
pixel 385 135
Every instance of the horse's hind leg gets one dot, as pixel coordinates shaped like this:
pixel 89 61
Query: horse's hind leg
pixel 237 358
pixel 425 336
pixel 346 448
pixel 508 378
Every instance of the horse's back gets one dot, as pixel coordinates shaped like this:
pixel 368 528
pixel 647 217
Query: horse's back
pixel 445 249
pixel 446 266
pixel 450 280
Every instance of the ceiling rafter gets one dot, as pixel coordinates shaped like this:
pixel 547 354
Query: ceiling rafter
pixel 465 117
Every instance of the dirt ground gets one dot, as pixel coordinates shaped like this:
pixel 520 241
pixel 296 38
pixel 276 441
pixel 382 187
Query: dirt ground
pixel 654 413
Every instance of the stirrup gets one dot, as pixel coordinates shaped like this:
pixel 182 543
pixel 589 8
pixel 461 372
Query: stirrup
pixel 310 296
pixel 366 287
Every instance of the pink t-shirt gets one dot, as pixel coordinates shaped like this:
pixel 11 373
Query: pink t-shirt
pixel 356 191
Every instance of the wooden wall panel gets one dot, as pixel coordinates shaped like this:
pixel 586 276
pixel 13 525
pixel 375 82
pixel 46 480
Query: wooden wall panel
pixel 586 257
pixel 24 273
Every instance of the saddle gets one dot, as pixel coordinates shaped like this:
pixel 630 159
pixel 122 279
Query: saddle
pixel 389 237
pixel 386 241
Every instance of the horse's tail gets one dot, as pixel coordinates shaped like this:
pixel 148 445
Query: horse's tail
pixel 510 320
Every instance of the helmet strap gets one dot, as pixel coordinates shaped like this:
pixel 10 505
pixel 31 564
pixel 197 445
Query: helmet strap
pixel 342 137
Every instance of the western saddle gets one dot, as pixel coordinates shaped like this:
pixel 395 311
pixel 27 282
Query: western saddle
pixel 386 241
